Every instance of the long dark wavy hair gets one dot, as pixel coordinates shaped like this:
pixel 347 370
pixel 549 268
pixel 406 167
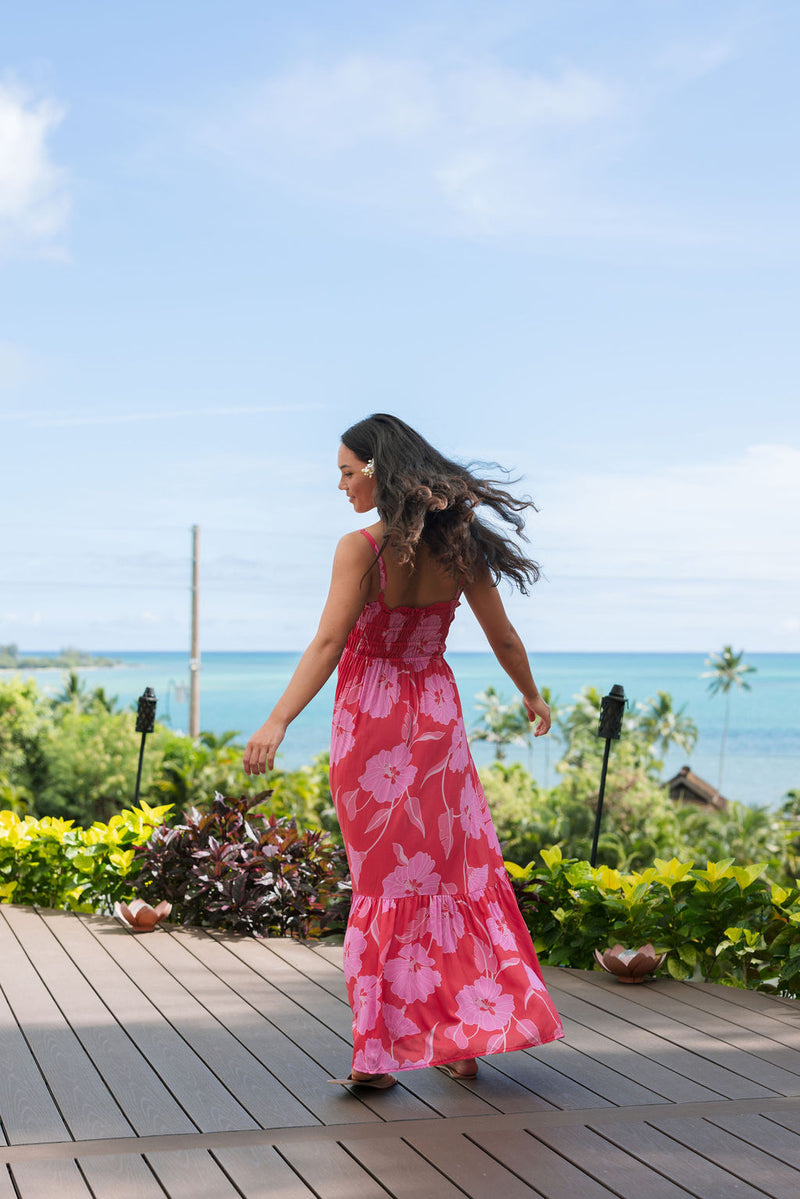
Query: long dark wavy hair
pixel 424 497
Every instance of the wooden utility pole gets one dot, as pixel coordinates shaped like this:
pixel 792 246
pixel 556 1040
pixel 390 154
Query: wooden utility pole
pixel 194 660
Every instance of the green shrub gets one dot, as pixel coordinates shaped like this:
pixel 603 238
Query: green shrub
pixel 229 868
pixel 723 923
pixel 56 865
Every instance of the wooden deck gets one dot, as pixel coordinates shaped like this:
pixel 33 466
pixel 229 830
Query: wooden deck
pixel 195 1065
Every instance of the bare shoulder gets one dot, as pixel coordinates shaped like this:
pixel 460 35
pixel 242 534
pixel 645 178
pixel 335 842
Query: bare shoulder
pixel 354 547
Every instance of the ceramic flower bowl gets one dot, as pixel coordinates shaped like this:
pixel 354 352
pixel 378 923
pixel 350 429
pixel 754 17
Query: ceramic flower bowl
pixel 139 916
pixel 630 965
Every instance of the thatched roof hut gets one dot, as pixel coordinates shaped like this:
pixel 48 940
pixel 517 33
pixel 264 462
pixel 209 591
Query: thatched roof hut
pixel 687 787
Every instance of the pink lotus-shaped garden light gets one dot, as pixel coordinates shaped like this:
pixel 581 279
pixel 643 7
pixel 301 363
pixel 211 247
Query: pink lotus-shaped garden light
pixel 630 965
pixel 139 916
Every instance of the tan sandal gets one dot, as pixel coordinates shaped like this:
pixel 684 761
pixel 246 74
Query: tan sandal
pixel 379 1082
pixel 449 1068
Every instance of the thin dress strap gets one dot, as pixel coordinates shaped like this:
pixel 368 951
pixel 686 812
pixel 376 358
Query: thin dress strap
pixel 379 556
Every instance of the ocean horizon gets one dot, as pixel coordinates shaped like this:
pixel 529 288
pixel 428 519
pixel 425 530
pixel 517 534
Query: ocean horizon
pixel 238 690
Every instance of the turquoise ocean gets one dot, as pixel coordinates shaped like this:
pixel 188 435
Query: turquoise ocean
pixel 762 760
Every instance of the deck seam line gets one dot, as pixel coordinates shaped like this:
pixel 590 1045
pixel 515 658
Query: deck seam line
pixel 583 1117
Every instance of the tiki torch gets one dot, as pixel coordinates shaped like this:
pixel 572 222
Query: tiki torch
pixel 610 727
pixel 145 723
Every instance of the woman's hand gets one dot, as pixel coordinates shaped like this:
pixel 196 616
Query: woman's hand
pixel 259 756
pixel 537 710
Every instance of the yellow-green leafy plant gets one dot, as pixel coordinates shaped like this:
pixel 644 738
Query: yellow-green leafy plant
pixel 721 922
pixel 54 863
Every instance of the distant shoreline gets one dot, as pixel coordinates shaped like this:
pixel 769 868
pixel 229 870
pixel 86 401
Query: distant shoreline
pixel 55 663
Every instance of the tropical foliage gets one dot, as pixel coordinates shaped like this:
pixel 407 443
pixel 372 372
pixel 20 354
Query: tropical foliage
pixel 721 922
pixel 727 674
pixel 230 868
pixel 502 722
pixel 53 863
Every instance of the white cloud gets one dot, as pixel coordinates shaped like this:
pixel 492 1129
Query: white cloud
pixel 730 520
pixel 489 148
pixel 33 197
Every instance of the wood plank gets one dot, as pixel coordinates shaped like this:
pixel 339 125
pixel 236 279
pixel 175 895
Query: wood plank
pixel 660 1064
pixel 141 1094
pixel 273 1028
pixel 87 1106
pixel 535 1163
pixel 245 1038
pixel 747 1030
pixel 577 1060
pixel 492 1091
pixel 610 1165
pixel 302 958
pixel 744 1161
pixel 120 1176
pixel 6 1186
pixel 191 1174
pixel 328 1170
pixel 699 1176
pixel 767 1135
pixel 467 1165
pixel 207 1103
pixel 775 1006
pixel 49 1178
pixel 396 1104
pixel 260 1172
pixel 526 1068
pixel 234 1071
pixel 714 999
pixel 401 1170
pixel 716 1040
pixel 27 1109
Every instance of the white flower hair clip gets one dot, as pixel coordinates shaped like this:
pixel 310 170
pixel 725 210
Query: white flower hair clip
pixel 369 469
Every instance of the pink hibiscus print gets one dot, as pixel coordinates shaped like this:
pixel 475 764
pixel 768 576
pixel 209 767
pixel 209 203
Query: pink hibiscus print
pixel 373 1058
pixel 396 622
pixel 388 774
pixel 533 978
pixel 499 928
pixel 342 739
pixel 472 811
pixel 446 924
pixel 354 945
pixel 410 974
pixel 397 1022
pixel 485 1004
pixel 366 1001
pixel 414 877
pixel 426 638
pixel 438 699
pixel 459 750
pixel 381 691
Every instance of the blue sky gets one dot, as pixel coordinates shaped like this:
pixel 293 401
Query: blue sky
pixel 558 235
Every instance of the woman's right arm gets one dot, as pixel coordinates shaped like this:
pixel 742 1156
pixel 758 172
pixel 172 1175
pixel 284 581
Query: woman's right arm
pixel 349 591
pixel 506 644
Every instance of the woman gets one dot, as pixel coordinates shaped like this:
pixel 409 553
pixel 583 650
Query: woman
pixel 440 967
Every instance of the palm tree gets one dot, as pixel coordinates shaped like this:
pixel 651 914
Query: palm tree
pixel 501 723
pixel 74 693
pixel 727 672
pixel 665 726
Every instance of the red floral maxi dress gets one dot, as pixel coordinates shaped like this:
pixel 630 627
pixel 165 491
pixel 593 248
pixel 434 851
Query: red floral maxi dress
pixel 438 961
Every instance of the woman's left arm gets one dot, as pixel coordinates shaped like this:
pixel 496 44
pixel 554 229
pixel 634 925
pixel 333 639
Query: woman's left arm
pixel 348 593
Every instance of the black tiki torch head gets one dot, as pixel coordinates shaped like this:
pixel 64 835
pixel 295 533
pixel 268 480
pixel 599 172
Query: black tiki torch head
pixel 611 710
pixel 146 711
